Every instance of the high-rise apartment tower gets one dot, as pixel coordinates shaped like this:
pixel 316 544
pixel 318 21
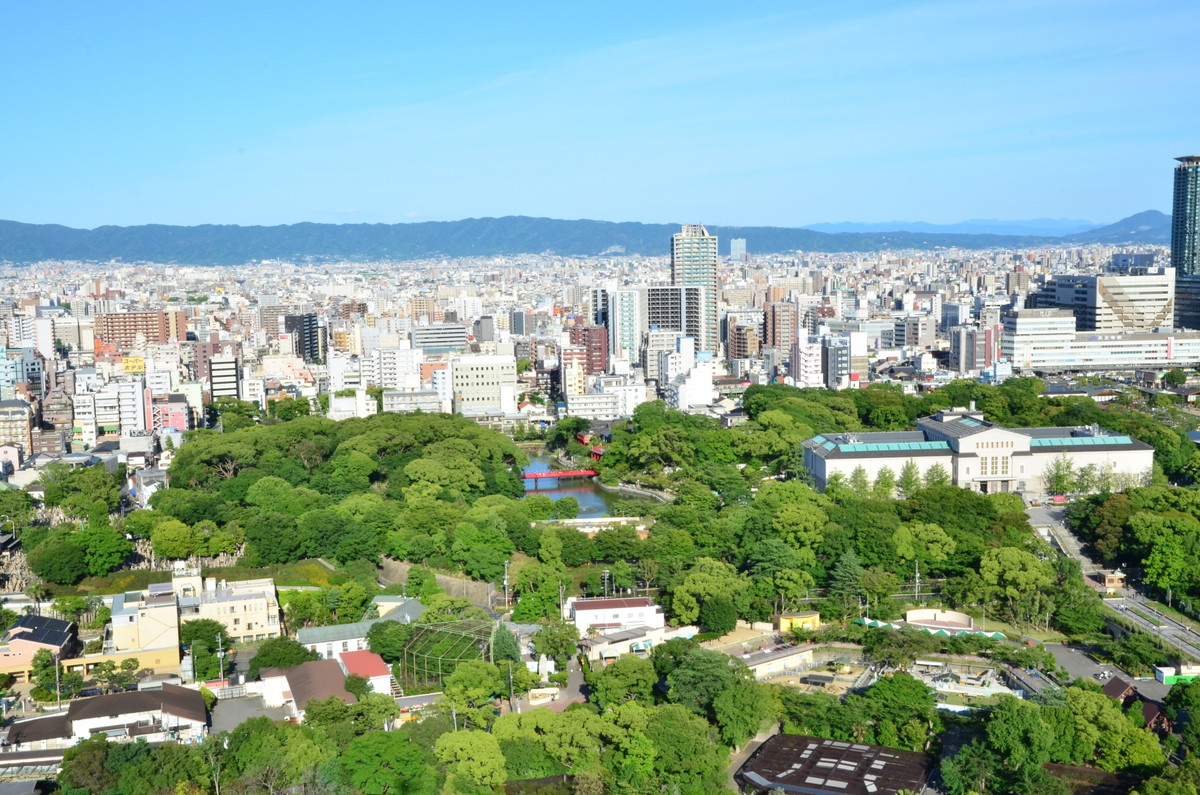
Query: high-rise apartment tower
pixel 1185 242
pixel 694 264
pixel 1185 218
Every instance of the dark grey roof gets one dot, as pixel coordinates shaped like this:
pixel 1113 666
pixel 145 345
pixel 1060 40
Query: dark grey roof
pixel 406 610
pixel 336 632
pixel 875 445
pixel 42 629
pixel 1045 433
pixel 171 700
pixel 816 766
pixel 37 729
pixel 956 426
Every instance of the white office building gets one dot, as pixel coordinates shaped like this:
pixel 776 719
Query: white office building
pixel 1046 341
pixel 484 383
pixel 979 455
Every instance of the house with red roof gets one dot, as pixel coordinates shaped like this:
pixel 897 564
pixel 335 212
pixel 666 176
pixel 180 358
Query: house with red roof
pixel 369 666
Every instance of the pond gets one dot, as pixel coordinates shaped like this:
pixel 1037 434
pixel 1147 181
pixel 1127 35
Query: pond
pixel 593 501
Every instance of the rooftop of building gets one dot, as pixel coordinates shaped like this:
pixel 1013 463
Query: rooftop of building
pixel 316 680
pixel 912 444
pixel 366 664
pixel 337 632
pixel 41 629
pixel 611 603
pixel 816 766
pixel 180 702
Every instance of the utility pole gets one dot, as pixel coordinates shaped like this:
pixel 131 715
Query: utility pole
pixel 604 585
pixel 918 593
pixel 57 682
pixel 506 585
pixel 220 658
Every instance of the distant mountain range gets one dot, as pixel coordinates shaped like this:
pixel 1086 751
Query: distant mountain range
pixel 1150 227
pixel 1052 227
pixel 234 245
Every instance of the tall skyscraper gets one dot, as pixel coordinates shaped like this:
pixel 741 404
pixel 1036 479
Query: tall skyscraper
pixel 694 264
pixel 781 322
pixel 737 249
pixel 305 335
pixel 1185 242
pixel 680 309
pixel 1185 218
pixel 594 339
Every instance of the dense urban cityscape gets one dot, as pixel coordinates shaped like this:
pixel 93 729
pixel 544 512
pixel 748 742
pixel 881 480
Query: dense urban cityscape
pixel 431 399
pixel 294 490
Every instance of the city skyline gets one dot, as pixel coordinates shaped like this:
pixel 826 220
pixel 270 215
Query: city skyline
pixel 775 116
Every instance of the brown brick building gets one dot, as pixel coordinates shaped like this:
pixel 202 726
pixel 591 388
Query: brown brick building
pixel 122 328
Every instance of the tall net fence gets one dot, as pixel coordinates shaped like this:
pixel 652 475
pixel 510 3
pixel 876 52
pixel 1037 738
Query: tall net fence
pixel 434 651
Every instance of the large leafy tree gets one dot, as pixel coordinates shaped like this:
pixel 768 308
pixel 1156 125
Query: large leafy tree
pixel 58 560
pixel 474 757
pixel 701 677
pixel 388 638
pixel 557 640
pixel 629 678
pixel 280 653
pixel 383 763
pixel 200 637
pixel 740 710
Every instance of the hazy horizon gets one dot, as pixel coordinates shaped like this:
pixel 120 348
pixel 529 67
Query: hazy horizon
pixel 769 115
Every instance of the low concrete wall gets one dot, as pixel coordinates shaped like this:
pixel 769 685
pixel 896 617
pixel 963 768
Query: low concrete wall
pixel 634 491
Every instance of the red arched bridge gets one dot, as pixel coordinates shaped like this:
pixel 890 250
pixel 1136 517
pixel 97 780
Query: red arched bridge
pixel 566 473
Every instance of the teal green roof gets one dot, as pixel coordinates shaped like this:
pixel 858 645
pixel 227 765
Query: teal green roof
pixel 1079 441
pixel 879 447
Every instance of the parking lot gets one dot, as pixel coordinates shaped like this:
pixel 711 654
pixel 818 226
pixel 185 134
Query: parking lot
pixel 1081 666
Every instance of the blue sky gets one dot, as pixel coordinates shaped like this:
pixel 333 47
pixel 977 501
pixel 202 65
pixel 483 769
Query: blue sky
pixel 724 113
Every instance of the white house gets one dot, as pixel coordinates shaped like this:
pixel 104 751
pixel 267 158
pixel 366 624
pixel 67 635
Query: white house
pixel 613 614
pixel 369 666
pixel 172 712
pixel 296 686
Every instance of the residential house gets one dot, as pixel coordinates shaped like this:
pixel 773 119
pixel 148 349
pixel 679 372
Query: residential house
pixel 369 666
pixel 29 635
pixel 171 712
pixel 295 687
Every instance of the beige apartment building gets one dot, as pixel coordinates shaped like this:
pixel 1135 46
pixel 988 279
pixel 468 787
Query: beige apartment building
pixel 249 610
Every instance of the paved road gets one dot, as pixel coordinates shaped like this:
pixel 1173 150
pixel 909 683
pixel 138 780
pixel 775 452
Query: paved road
pixel 1132 605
